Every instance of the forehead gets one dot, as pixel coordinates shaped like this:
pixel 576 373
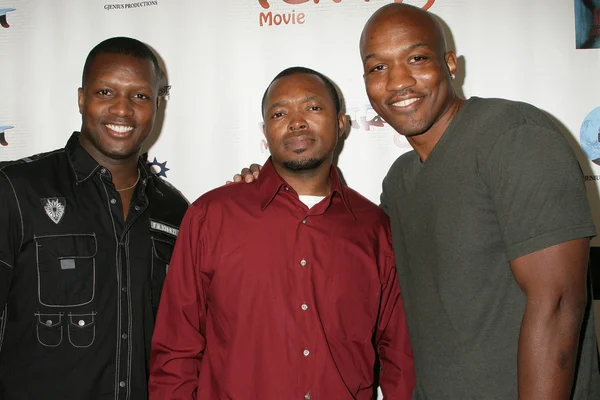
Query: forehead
pixel 397 33
pixel 114 66
pixel 296 86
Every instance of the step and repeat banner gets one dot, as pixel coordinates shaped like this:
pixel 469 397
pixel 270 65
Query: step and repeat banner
pixel 219 56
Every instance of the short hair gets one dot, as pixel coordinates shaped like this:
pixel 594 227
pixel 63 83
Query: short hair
pixel 121 45
pixel 303 70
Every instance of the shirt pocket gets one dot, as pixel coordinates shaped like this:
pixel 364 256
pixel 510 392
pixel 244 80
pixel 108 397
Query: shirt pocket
pixel 352 293
pixel 66 267
pixel 162 250
pixel 49 329
pixel 82 329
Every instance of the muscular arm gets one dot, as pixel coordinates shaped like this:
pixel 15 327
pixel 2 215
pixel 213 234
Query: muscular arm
pixel 554 282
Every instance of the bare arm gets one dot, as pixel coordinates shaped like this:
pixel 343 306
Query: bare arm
pixel 554 282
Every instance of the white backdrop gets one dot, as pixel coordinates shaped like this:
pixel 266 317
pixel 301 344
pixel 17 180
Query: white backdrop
pixel 220 55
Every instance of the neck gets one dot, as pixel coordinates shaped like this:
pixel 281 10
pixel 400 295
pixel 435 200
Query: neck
pixel 313 182
pixel 424 143
pixel 124 171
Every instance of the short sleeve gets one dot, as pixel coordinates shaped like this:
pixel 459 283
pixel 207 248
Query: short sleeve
pixel 538 190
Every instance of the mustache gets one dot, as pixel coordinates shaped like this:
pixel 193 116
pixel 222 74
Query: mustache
pixel 401 94
pixel 292 135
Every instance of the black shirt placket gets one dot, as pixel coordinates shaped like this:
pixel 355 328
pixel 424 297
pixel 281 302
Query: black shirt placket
pixel 124 347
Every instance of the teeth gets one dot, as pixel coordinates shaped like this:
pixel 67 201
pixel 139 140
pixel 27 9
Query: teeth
pixel 119 128
pixel 404 103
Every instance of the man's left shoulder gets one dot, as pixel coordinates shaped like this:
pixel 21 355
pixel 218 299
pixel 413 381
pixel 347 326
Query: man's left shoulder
pixel 363 208
pixel 168 194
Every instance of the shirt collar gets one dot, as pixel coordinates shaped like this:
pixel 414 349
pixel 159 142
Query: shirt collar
pixel 84 166
pixel 270 183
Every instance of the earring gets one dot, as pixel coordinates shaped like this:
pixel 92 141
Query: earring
pixel 452 76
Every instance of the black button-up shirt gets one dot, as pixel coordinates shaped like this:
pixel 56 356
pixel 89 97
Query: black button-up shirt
pixel 79 285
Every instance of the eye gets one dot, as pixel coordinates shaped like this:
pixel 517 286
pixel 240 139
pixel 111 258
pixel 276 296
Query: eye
pixel 277 114
pixel 417 59
pixel 315 108
pixel 103 92
pixel 378 67
pixel 141 96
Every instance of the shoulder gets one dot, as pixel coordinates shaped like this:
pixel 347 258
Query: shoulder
pixel 170 193
pixel 364 209
pixel 34 166
pixel 502 115
pixel 234 193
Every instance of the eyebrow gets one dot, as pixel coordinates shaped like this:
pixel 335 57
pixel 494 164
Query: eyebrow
pixel 411 47
pixel 284 102
pixel 138 87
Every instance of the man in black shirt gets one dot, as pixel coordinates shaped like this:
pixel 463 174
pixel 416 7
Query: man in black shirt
pixel 86 234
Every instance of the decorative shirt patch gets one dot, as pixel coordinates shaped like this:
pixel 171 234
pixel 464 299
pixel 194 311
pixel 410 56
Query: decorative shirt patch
pixel 54 207
pixel 162 227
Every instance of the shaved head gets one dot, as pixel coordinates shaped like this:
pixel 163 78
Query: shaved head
pixel 410 16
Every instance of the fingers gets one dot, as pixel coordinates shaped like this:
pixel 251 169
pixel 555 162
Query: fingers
pixel 255 169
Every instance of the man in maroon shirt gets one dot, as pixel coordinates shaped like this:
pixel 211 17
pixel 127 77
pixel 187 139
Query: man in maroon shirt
pixel 285 288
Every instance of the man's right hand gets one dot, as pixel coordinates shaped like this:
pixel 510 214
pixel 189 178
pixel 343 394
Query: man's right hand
pixel 247 175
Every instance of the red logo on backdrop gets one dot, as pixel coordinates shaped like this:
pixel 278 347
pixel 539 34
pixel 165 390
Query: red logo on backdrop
pixel 292 18
pixel 265 3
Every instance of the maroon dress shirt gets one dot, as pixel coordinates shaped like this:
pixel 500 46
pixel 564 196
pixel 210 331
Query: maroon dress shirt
pixel 267 299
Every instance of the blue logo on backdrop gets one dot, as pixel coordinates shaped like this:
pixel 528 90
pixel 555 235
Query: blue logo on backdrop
pixel 589 136
pixel 3 12
pixel 160 169
pixel 3 141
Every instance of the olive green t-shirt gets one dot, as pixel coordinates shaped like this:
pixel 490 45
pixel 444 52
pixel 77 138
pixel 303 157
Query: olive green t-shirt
pixel 501 183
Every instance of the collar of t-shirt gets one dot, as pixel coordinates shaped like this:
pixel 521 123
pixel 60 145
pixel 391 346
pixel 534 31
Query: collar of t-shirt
pixel 309 200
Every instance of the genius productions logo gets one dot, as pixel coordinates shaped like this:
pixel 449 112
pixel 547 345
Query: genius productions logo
pixel 3 12
pixel 3 130
pixel 160 169
pixel 269 18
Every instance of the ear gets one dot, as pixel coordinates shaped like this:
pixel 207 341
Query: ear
pixel 342 120
pixel 450 58
pixel 158 101
pixel 80 99
pixel 264 129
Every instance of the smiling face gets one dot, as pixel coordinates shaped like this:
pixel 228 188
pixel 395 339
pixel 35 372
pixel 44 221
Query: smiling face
pixel 406 69
pixel 302 124
pixel 118 105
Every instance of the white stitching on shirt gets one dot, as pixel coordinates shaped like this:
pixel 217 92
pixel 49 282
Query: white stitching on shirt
pixel 19 208
pixel 118 352
pixel 69 329
pixel 39 282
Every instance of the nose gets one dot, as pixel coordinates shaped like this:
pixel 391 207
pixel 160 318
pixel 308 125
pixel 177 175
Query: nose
pixel 121 107
pixel 297 122
pixel 399 78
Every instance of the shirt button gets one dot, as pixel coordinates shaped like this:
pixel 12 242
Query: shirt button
pixel 304 307
pixel 306 353
pixel 49 322
pixel 124 336
pixel 307 396
pixel 122 383
pixel 303 263
pixel 123 289
pixel 103 171
pixel 113 201
pixel 304 221
pixel 81 322
pixel 137 208
pixel 287 188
